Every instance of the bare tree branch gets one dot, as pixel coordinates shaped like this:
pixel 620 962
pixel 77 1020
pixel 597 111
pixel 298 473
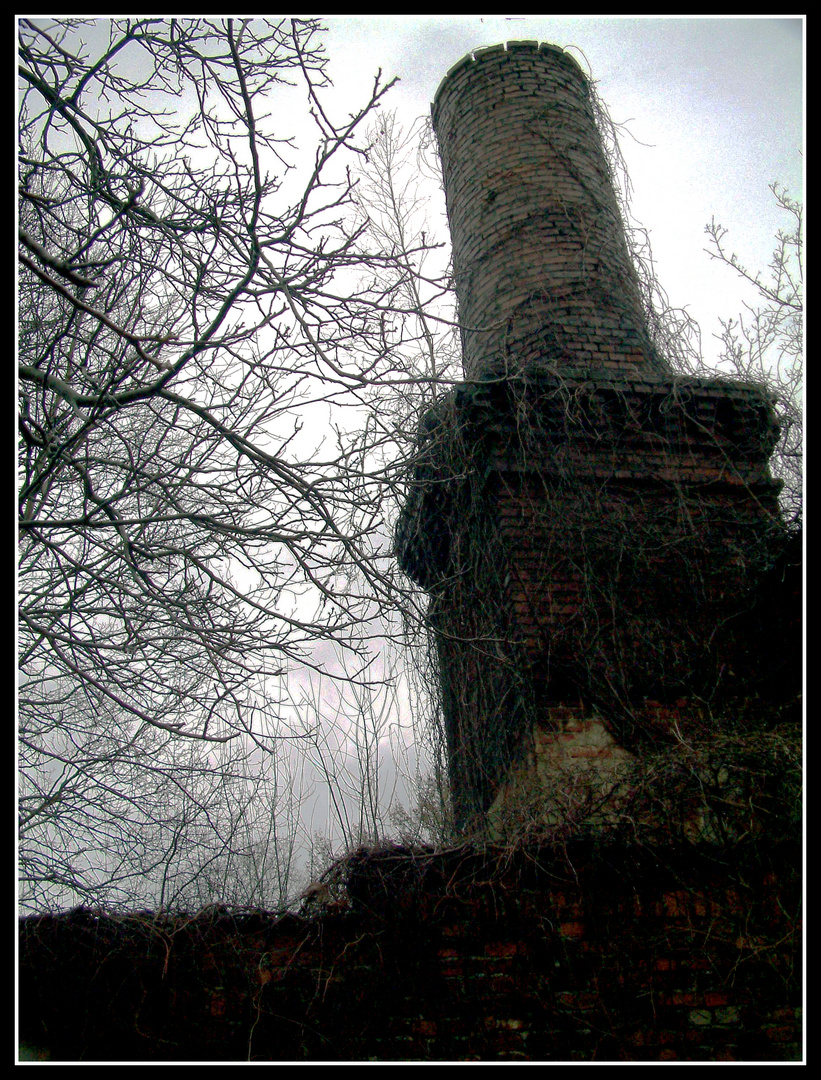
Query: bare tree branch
pixel 204 480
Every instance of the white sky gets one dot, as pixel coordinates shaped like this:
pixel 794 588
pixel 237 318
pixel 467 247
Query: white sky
pixel 716 105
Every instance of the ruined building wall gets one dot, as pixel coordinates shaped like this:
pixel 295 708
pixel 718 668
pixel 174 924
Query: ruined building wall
pixel 454 956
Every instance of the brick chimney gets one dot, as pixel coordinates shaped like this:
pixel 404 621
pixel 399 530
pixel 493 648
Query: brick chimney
pixel 591 528
pixel 541 264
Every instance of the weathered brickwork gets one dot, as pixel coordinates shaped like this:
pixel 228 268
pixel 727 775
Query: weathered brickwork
pixel 541 264
pixel 590 526
pixel 550 956
pixel 585 533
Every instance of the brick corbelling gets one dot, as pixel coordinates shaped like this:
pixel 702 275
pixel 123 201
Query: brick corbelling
pixel 536 507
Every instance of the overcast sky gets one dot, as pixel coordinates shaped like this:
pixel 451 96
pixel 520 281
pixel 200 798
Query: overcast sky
pixel 715 108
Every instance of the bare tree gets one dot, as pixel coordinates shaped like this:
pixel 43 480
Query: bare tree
pixel 115 814
pixel 203 319
pixel 765 343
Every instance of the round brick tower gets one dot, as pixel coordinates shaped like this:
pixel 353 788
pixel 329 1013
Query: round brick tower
pixel 592 528
pixel 542 268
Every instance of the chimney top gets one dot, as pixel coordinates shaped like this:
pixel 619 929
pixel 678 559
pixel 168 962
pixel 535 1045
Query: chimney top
pixel 542 267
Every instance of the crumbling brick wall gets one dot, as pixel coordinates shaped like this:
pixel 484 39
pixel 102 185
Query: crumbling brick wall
pixel 586 953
